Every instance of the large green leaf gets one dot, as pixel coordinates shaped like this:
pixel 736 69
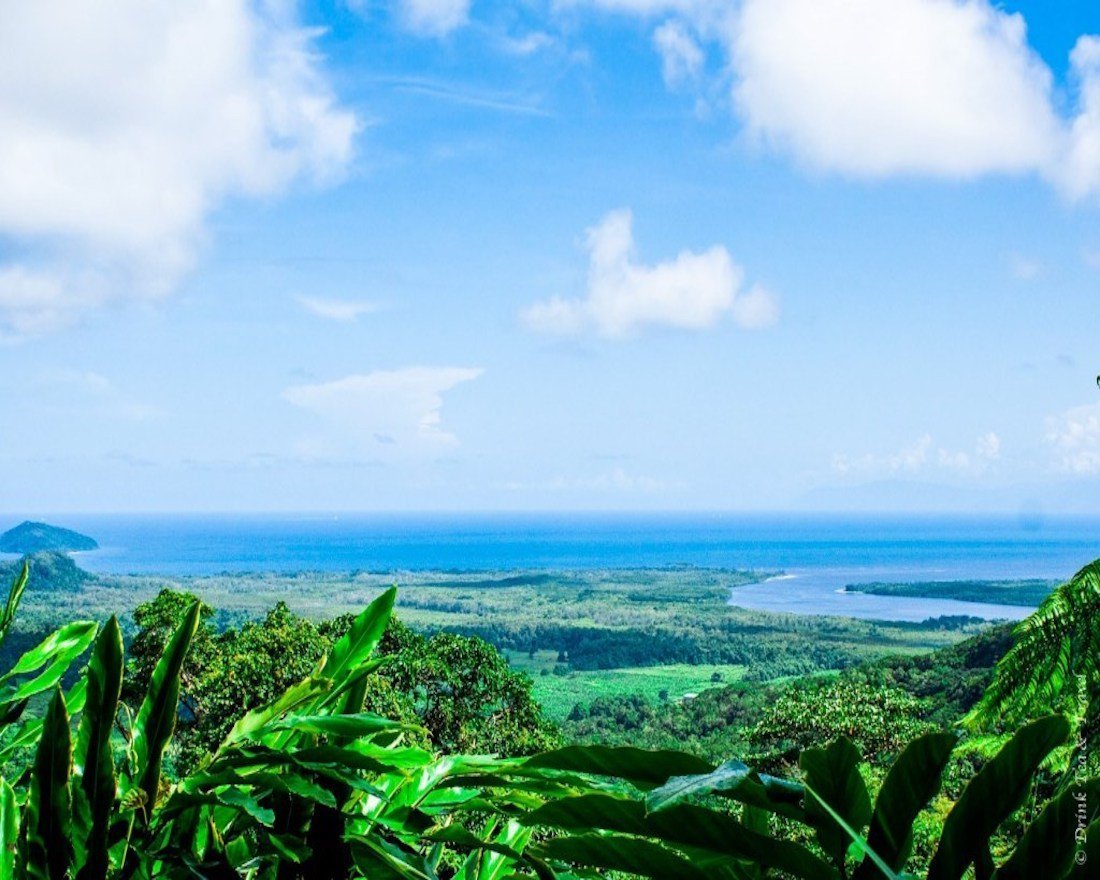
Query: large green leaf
pixel 832 774
pixel 380 859
pixel 9 829
pixel 47 661
pixel 1050 844
pixel 913 780
pixel 345 666
pixel 29 729
pixel 254 724
pixel 858 847
pixel 70 640
pixel 735 780
pixel 14 595
pixel 355 647
pixel 348 726
pixel 494 854
pixel 93 764
pixel 466 839
pixel 617 852
pixel 48 815
pixel 156 719
pixel 684 825
pixel 997 790
pixel 640 766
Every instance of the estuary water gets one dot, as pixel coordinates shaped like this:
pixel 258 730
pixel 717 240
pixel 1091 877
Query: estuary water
pixel 818 555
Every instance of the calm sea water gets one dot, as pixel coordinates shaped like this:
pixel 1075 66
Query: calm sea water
pixel 819 553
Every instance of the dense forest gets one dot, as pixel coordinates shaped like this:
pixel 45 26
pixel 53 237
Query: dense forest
pixel 283 746
pixel 663 633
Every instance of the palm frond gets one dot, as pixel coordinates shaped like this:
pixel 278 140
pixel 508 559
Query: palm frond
pixel 1053 664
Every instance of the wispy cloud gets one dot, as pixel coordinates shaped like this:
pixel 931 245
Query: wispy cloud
pixel 617 480
pixel 1074 440
pixel 920 456
pixel 470 96
pixel 682 57
pixel 526 44
pixel 1024 268
pixel 343 310
pixel 435 18
pixel 92 390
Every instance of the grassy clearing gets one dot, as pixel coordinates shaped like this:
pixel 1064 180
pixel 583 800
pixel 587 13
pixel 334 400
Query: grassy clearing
pixel 558 694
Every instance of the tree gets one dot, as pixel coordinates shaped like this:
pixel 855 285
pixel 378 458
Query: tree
pixel 878 719
pixel 459 689
pixel 464 693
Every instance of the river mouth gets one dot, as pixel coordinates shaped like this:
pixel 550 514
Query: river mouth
pixel 822 592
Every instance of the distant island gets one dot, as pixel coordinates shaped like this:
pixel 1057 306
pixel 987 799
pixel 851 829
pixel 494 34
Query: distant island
pixel 36 537
pixel 1027 593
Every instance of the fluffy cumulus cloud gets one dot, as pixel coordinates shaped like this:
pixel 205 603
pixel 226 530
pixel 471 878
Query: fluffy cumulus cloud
pixel 693 291
pixel 123 129
pixel 1079 174
pixel 1074 440
pixel 870 88
pixel 383 413
pixel 878 87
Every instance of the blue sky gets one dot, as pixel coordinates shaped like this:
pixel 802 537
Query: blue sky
pixel 615 254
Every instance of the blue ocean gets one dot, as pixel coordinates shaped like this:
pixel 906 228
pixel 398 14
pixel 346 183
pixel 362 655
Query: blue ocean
pixel 818 555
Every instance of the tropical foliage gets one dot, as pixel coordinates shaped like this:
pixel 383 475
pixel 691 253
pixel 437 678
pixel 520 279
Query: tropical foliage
pixel 456 692
pixel 312 785
pixel 1054 663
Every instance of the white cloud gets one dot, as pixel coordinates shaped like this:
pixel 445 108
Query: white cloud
pixel 989 447
pixel 755 309
pixel 344 310
pixel 616 480
pixel 691 292
pixel 1074 439
pixel 87 389
pixel 383 412
pixel 527 44
pixel 434 18
pixel 32 301
pixel 123 124
pixel 911 458
pixel 692 8
pixel 1024 268
pixel 917 457
pixel 1079 172
pixel 873 88
pixel 681 56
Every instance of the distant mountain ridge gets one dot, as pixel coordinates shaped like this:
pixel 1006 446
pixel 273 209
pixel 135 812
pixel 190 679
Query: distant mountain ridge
pixel 36 537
